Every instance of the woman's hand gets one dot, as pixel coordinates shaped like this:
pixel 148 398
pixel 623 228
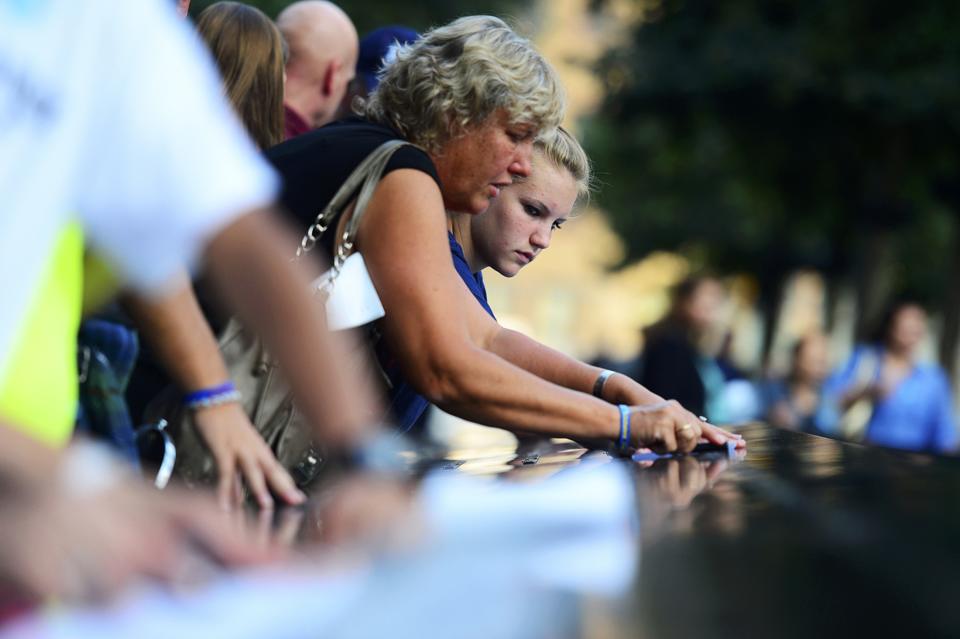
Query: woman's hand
pixel 667 427
pixel 241 455
pixel 621 389
pixel 717 435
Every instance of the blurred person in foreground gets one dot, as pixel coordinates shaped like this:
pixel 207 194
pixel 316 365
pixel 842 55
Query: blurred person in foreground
pixel 677 358
pixel 884 395
pixel 794 402
pixel 155 184
pixel 78 527
pixel 473 96
pixel 249 53
pixel 323 58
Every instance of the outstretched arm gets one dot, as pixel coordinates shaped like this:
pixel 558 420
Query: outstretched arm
pixel 564 370
pixel 176 329
pixel 561 369
pixel 446 351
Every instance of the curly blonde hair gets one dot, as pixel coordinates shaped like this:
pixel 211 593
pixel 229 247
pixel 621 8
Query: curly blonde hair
pixel 459 75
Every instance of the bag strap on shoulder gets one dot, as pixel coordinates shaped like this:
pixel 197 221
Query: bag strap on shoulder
pixel 367 174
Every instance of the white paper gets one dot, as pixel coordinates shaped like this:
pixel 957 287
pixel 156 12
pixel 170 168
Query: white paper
pixel 352 299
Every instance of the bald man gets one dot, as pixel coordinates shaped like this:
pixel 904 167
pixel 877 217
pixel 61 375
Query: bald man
pixel 323 57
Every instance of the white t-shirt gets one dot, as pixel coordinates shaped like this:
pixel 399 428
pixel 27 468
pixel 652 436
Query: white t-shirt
pixel 112 112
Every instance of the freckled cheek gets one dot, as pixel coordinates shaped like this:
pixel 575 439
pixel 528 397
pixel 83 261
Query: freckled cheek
pixel 503 247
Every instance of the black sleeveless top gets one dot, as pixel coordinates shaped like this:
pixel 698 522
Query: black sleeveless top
pixel 314 165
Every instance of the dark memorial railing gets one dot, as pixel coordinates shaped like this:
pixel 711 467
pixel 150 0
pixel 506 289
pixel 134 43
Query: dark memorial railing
pixel 804 537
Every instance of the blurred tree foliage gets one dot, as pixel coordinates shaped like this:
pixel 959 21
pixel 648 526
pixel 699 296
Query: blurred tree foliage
pixel 370 14
pixel 766 135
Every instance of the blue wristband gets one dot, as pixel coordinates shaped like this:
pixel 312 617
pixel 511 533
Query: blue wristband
pixel 623 440
pixel 213 396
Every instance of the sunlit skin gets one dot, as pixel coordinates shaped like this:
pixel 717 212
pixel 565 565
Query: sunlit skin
pixel 475 167
pixel 520 223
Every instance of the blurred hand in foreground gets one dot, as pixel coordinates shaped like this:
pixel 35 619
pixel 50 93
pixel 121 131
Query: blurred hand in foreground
pixel 79 542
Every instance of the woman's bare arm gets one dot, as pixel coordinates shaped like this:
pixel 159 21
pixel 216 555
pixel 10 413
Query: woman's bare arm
pixel 176 329
pixel 446 351
pixel 564 370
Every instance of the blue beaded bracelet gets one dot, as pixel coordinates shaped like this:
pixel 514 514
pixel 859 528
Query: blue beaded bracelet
pixel 623 440
pixel 215 396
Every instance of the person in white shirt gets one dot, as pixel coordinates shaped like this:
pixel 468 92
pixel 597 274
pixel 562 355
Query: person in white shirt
pixel 111 117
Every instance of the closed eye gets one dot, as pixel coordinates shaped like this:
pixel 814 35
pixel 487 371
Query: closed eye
pixel 558 224
pixel 520 135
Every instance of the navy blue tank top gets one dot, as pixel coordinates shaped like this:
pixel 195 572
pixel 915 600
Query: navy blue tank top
pixel 406 405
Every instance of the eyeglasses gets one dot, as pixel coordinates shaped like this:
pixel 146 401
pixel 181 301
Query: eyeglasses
pixel 157 449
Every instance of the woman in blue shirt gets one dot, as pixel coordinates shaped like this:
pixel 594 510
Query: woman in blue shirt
pixel 909 403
